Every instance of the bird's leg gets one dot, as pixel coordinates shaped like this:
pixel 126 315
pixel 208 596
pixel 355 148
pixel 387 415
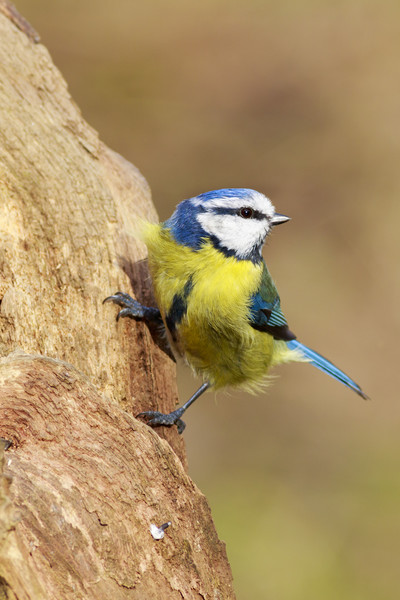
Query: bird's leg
pixel 150 315
pixel 133 309
pixel 156 419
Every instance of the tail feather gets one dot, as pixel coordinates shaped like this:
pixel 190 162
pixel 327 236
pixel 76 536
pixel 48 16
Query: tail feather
pixel 325 365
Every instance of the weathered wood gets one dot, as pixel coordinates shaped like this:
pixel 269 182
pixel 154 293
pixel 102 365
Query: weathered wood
pixel 84 479
pixel 84 482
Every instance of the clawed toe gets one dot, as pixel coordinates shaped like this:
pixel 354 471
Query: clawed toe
pixel 130 307
pixel 157 419
pixel 127 312
pixel 118 298
pixel 133 309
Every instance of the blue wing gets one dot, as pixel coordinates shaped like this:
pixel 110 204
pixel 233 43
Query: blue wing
pixel 265 310
pixel 266 315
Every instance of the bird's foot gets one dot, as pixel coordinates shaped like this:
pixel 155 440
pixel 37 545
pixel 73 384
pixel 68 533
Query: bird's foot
pixel 132 308
pixel 158 419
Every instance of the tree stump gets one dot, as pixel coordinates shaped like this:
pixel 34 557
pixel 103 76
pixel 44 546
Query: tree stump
pixel 83 479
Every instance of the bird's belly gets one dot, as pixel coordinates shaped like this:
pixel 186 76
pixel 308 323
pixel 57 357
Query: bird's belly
pixel 225 355
pixel 204 298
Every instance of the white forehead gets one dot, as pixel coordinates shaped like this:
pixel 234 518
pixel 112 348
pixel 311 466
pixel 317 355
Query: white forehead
pixel 251 198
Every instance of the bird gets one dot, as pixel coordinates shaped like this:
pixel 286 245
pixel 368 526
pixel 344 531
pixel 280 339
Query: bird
pixel 216 299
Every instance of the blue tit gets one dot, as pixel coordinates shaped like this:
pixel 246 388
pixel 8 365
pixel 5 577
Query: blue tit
pixel 216 299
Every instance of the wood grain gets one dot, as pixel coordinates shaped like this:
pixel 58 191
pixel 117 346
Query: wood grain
pixel 83 479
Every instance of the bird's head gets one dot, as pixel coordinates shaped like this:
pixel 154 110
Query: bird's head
pixel 236 221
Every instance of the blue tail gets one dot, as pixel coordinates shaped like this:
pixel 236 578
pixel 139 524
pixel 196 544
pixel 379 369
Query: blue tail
pixel 325 365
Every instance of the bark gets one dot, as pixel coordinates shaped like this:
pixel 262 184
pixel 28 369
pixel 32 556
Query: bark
pixel 83 479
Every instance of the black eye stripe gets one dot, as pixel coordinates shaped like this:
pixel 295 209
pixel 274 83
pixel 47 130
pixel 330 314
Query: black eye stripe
pixel 219 210
pixel 255 214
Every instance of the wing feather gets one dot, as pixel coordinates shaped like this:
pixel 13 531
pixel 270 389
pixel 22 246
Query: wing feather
pixel 265 310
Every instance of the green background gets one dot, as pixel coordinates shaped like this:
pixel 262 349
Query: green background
pixel 300 100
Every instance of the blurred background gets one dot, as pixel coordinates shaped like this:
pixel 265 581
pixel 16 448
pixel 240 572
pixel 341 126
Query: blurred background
pixel 300 100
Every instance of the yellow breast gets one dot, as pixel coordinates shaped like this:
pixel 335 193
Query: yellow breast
pixel 204 298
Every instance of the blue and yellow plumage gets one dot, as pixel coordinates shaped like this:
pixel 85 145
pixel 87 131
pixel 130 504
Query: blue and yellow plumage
pixel 216 298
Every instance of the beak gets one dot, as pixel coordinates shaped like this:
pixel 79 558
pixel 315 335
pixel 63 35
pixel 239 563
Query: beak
pixel 278 219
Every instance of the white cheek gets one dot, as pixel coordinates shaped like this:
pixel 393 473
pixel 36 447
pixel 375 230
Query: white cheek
pixel 234 232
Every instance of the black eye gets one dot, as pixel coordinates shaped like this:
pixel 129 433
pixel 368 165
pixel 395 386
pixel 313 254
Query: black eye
pixel 246 212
